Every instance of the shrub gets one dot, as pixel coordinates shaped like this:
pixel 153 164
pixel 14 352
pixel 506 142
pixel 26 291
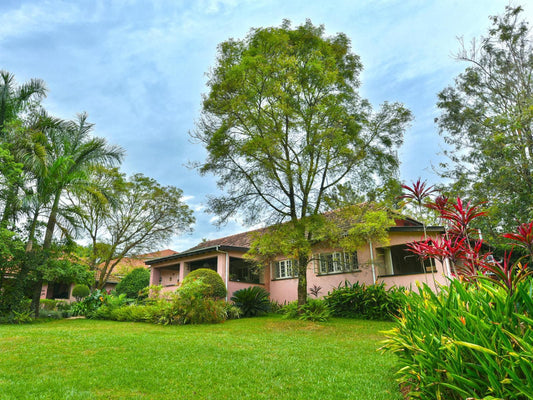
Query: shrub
pixel 312 310
pixel 80 291
pixel 90 304
pixel 194 304
pixel 468 341
pixel 231 311
pixel 252 301
pixel 48 304
pixel 188 305
pixel 215 285
pixel 360 301
pixel 134 283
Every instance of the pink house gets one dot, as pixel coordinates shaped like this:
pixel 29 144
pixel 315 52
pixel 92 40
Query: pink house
pixel 372 263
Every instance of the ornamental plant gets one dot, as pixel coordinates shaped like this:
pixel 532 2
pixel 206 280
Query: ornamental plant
pixel 466 342
pixel 133 283
pixel 214 285
pixel 80 291
pixel 356 300
pixel 252 301
pixel 465 250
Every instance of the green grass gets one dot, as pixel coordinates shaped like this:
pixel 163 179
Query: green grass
pixel 256 358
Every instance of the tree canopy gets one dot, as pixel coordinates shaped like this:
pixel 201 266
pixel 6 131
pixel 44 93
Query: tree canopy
pixel 284 127
pixel 49 190
pixel 486 118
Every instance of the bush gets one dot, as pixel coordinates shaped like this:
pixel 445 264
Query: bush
pixel 48 304
pixel 361 301
pixel 80 291
pixel 470 341
pixel 191 305
pixel 90 304
pixel 188 305
pixel 252 301
pixel 215 285
pixel 312 310
pixel 134 283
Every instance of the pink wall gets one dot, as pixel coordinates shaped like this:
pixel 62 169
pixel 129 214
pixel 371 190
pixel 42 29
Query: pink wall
pixel 285 290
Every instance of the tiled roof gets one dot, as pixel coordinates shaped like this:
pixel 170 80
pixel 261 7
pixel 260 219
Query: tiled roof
pixel 243 239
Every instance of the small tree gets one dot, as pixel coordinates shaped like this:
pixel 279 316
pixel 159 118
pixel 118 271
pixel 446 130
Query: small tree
pixel 134 282
pixel 80 291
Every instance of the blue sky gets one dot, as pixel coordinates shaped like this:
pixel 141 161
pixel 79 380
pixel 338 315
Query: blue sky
pixel 138 69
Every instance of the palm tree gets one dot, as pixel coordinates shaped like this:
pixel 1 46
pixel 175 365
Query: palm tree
pixel 72 152
pixel 14 99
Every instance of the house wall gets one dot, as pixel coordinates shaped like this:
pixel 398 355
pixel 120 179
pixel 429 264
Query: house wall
pixel 286 290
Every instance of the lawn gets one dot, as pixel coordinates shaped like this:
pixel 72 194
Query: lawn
pixel 257 358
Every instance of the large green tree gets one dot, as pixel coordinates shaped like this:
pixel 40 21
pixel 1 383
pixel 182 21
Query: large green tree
pixel 129 217
pixel 486 118
pixel 284 126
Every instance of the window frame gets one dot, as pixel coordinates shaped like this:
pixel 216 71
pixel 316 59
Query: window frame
pixel 289 266
pixel 337 262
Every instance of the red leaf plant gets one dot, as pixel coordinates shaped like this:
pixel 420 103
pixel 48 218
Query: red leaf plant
pixel 418 191
pixel 524 236
pixel 506 273
pixel 460 216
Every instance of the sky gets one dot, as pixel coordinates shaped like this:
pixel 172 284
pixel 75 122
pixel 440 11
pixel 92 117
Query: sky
pixel 138 68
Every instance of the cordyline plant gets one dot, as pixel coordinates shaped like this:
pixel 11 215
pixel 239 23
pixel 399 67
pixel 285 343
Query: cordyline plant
pixel 464 248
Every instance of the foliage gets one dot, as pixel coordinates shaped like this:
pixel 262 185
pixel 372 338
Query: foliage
pixel 48 304
pixel 133 283
pixel 190 304
pixel 80 291
pixel 466 251
pixel 13 279
pixel 361 301
pixel 90 304
pixel 315 310
pixel 134 216
pixel 466 342
pixel 252 301
pixel 315 290
pixel 284 127
pixel 214 285
pixel 487 120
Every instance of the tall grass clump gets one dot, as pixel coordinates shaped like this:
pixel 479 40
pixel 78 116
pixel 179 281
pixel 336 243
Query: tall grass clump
pixel 468 341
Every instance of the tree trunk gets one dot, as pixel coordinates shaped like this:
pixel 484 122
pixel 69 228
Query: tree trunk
pixel 302 280
pixel 36 297
pixel 50 226
pixel 31 234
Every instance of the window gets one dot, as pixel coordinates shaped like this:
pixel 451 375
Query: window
pixel 337 263
pixel 285 269
pixel 242 271
pixel 399 260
